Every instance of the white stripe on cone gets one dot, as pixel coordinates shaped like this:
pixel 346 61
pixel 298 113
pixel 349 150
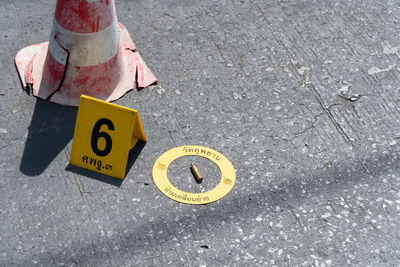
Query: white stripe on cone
pixel 85 49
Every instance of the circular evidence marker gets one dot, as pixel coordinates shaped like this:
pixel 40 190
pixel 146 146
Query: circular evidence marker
pixel 160 177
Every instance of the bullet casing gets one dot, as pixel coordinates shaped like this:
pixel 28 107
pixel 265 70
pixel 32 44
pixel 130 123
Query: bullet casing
pixel 196 174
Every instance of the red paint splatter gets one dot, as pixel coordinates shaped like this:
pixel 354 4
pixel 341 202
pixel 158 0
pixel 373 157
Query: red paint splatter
pixel 53 71
pixel 98 22
pixel 82 80
pixel 84 17
pixel 82 11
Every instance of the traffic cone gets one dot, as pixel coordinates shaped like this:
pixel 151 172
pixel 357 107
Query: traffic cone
pixel 89 53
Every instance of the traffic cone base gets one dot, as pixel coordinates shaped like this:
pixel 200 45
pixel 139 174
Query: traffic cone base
pixel 98 60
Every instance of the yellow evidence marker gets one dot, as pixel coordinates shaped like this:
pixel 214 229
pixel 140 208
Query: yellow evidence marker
pixel 226 184
pixel 104 134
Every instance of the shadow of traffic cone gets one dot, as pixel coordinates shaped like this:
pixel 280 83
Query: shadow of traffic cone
pixel 89 53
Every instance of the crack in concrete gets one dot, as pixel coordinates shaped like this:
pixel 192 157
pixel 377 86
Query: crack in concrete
pixel 296 135
pixel 337 125
pixel 309 84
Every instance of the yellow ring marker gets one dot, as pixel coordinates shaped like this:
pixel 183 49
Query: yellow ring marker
pixel 160 178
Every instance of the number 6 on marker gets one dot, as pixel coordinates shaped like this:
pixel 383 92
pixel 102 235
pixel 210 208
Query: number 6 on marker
pixel 96 134
pixel 104 134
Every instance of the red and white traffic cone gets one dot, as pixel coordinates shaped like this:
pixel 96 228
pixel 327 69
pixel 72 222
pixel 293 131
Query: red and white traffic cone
pixel 89 53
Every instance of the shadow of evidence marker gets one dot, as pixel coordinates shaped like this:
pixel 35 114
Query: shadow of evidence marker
pixel 51 129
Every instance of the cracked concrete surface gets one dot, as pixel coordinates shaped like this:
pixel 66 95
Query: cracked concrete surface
pixel 318 178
